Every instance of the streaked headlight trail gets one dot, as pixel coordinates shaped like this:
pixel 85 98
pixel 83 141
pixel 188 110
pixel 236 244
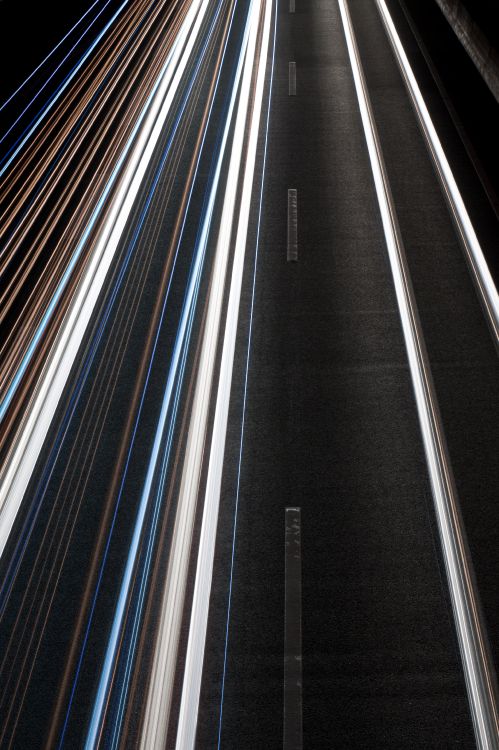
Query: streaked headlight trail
pixel 248 384
pixel 148 145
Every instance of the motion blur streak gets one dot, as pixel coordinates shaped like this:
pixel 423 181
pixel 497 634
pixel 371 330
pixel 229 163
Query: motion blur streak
pixel 479 268
pixel 169 384
pixel 186 732
pixel 141 111
pixel 477 665
pixel 28 106
pixel 41 232
pixel 158 707
pixel 180 345
pixel 141 145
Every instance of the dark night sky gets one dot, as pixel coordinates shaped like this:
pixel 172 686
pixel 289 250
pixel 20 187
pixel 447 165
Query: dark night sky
pixel 29 32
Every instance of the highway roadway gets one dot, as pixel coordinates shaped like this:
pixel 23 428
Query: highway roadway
pixel 332 426
pixel 249 479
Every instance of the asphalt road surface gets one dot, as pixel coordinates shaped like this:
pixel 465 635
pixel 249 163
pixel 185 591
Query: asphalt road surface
pixel 246 357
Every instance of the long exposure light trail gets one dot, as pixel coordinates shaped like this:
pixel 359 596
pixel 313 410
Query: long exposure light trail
pixel 89 293
pixel 11 358
pixel 484 282
pixel 160 687
pixel 14 151
pixel 186 732
pixel 56 241
pixel 58 67
pixel 170 384
pixel 47 57
pixel 20 466
pixel 168 395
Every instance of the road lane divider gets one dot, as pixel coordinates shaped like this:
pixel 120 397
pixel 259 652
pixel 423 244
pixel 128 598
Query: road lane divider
pixel 476 660
pixel 292 713
pixel 292 245
pixel 292 79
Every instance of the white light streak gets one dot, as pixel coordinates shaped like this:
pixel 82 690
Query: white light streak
pixel 155 728
pixel 475 659
pixel 474 253
pixel 22 459
pixel 186 732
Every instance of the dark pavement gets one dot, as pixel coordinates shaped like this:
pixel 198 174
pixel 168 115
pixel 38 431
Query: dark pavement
pixel 331 426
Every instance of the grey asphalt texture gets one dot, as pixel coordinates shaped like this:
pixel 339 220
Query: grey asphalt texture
pixel 331 426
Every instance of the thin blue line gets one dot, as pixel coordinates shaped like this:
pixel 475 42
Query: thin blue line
pixel 85 370
pixel 91 354
pixel 49 55
pixel 150 538
pixel 146 565
pixel 93 728
pixel 133 434
pixel 96 719
pixel 68 139
pixel 243 421
pixel 4 403
pixel 18 145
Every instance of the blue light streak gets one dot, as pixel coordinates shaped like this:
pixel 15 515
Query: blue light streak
pixel 49 55
pixel 53 74
pixel 31 128
pixel 40 185
pixel 5 402
pixel 163 473
pixel 243 420
pixel 103 688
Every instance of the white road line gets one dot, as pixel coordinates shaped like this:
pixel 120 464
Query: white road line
pixel 476 661
pixel 186 732
pixel 474 254
pixel 292 79
pixel 292 713
pixel 158 701
pixel 292 252
pixel 17 471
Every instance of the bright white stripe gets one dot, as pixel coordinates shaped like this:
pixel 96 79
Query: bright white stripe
pixel 155 728
pixel 476 666
pixel 480 271
pixel 292 79
pixel 292 237
pixel 189 303
pixel 186 732
pixel 81 244
pixel 29 442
